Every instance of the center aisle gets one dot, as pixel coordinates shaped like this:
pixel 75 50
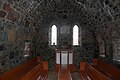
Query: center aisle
pixel 64 74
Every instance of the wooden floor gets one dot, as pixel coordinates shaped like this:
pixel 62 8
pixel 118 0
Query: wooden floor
pixel 64 73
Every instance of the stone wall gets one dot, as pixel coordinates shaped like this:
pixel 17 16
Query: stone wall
pixel 85 51
pixel 110 41
pixel 22 20
pixel 15 28
pixel 88 49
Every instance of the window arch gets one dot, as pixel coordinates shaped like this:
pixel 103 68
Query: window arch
pixel 75 35
pixel 54 35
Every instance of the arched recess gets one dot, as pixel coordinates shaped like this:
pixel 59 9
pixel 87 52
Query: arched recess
pixel 101 45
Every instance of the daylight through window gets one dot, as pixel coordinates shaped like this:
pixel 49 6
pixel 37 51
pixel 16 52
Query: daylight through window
pixel 54 35
pixel 75 35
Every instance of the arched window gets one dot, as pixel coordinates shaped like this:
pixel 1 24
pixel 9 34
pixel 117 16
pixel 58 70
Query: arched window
pixel 54 35
pixel 75 35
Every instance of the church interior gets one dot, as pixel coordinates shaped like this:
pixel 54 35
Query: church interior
pixel 59 39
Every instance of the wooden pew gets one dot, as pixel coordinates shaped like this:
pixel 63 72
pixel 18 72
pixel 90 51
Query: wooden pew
pixel 19 71
pixel 87 72
pixel 37 73
pixel 45 68
pixel 107 69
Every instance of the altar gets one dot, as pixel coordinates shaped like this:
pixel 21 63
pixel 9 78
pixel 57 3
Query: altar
pixel 64 56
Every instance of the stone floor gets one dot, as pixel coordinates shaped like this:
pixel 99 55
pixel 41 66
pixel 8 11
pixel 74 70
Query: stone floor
pixel 75 76
pixel 52 75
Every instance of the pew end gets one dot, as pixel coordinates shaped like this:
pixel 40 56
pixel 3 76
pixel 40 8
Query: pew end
pixel 82 66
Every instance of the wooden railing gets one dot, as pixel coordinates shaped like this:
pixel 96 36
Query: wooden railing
pixel 87 72
pixel 107 69
pixel 19 71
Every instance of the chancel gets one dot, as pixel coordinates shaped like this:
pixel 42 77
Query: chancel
pixel 59 39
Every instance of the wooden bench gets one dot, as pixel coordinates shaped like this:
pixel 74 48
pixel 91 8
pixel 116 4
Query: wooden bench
pixel 17 72
pixel 107 69
pixel 87 72
pixel 37 73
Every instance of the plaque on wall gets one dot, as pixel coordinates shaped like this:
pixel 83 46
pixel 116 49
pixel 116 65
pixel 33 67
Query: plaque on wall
pixel 4 36
pixel 65 30
pixel 11 35
pixel 65 36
